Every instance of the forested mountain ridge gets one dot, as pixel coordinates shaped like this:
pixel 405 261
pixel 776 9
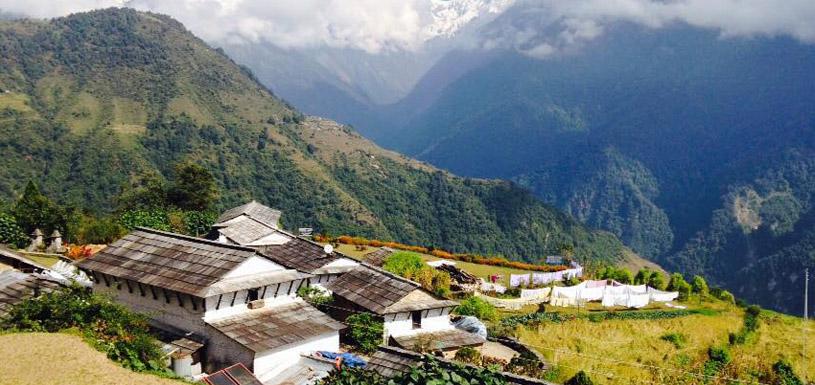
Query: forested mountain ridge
pixel 644 132
pixel 92 102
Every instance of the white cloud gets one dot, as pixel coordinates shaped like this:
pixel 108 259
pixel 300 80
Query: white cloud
pixel 381 25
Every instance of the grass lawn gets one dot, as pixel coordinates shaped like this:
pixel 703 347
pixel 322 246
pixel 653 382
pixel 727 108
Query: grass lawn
pixel 482 271
pixel 631 351
pixel 60 359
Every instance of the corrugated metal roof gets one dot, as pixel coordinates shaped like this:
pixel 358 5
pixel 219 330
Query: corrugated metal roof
pixel 166 260
pixel 16 286
pixel 270 328
pixel 254 210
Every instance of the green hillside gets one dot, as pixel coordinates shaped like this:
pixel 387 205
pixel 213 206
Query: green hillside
pixel 91 102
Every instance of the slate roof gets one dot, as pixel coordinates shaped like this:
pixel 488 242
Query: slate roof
pixel 254 210
pixel 270 328
pixel 378 257
pixel 300 254
pixel 390 361
pixel 16 286
pixel 245 230
pixel 170 261
pixel 378 290
pixel 442 340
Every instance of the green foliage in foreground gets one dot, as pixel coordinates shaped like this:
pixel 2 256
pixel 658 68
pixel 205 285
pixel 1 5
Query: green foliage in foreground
pixel 365 331
pixel 10 232
pixel 533 318
pixel 477 307
pixel 718 358
pixel 108 326
pixel 784 374
pixel 678 340
pixel 431 372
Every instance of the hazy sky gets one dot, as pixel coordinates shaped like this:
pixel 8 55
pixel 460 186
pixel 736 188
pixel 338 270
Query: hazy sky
pixel 377 25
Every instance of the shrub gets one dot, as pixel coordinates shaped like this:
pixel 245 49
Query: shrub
pixel 718 358
pixel 99 231
pixel 784 375
pixel 468 355
pixel 656 280
pixel 751 318
pixel 431 372
pixel 353 376
pixel 477 307
pixel 699 286
pixel 198 223
pixel 403 263
pixel 10 232
pixel 314 295
pixel 155 218
pixel 110 327
pixel 365 331
pixel 677 283
pixel 581 378
pixel 526 364
pixel 411 266
pixel 677 339
pixel 726 296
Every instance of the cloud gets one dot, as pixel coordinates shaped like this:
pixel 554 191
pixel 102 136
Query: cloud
pixel 543 27
pixel 564 24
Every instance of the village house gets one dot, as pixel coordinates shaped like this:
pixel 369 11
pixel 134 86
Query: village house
pixel 219 304
pixel 255 225
pixel 411 314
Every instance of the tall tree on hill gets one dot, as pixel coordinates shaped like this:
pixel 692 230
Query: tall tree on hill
pixel 35 211
pixel 194 188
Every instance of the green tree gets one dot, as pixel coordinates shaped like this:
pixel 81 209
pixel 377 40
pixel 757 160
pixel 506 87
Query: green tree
pixel 194 188
pixel 35 211
pixel 656 280
pixel 404 264
pixel 678 283
pixel 581 378
pixel 365 331
pixel 642 276
pixel 699 286
pixel 10 232
pixel 145 191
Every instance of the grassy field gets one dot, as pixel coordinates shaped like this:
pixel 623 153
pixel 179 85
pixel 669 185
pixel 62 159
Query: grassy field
pixel 631 351
pixel 61 359
pixel 482 271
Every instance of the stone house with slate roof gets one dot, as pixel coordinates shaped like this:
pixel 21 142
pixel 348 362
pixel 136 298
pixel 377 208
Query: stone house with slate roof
pixel 255 225
pixel 406 309
pixel 228 304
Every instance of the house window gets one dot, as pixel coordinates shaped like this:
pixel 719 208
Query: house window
pixel 252 295
pixel 416 316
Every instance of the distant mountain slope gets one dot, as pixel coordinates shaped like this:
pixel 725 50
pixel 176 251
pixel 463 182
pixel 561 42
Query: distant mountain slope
pixel 642 132
pixel 90 101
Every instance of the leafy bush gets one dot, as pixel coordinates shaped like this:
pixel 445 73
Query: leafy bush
pixel 581 378
pixel 411 266
pixel 10 232
pixel 431 372
pixel 198 223
pixel 99 231
pixel 677 283
pixel 726 296
pixel 621 275
pixel 657 281
pixel 526 364
pixel 699 286
pixel 353 376
pixel 35 211
pixel 477 307
pixel 468 355
pixel 718 358
pixel 314 295
pixel 677 339
pixel 112 328
pixel 155 218
pixel 365 331
pixel 784 375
